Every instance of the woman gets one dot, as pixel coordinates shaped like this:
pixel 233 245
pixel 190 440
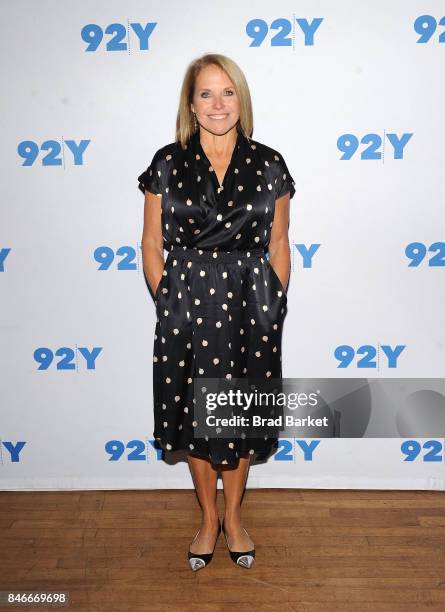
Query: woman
pixel 215 199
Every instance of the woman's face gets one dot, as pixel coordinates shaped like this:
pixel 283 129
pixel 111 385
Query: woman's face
pixel 215 101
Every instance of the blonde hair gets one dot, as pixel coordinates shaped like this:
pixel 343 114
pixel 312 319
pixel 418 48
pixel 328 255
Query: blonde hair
pixel 184 121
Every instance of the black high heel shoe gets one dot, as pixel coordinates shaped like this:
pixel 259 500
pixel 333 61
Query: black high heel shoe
pixel 199 560
pixel 245 559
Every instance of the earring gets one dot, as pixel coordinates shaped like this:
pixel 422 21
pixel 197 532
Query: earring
pixel 195 122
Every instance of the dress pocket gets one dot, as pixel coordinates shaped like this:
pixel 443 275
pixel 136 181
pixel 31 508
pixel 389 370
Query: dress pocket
pixel 160 285
pixel 277 280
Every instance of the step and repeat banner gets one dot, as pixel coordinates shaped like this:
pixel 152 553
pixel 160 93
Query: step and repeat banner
pixel 351 93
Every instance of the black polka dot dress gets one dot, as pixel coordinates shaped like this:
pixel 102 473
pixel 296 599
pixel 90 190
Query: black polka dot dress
pixel 219 304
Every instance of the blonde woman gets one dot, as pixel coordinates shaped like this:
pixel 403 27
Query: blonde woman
pixel 216 200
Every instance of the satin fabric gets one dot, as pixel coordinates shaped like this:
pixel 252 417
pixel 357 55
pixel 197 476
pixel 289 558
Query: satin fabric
pixel 220 305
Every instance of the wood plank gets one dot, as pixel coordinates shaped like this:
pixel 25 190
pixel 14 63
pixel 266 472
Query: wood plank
pixel 376 551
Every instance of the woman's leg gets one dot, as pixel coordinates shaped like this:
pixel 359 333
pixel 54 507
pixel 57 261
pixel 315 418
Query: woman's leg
pixel 204 477
pixel 234 481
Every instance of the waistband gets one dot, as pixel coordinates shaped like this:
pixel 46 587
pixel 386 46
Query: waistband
pixel 214 256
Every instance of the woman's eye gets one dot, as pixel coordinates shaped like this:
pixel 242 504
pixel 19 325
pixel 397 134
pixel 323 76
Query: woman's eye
pixel 205 94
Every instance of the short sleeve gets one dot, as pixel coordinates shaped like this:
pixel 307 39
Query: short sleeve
pixel 152 179
pixel 284 183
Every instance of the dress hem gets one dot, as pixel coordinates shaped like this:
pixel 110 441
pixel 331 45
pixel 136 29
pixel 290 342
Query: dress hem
pixel 256 453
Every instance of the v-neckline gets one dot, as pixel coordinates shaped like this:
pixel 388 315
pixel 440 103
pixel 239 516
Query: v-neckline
pixel 232 158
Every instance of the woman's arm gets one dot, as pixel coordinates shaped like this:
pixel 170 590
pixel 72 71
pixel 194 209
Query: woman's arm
pixel 279 252
pixel 152 242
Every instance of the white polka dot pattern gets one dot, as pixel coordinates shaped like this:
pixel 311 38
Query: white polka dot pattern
pixel 219 304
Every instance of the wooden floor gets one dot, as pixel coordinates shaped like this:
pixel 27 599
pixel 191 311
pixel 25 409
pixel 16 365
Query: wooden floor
pixel 315 550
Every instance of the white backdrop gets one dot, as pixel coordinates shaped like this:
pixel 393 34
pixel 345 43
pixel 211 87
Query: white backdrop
pixel 71 275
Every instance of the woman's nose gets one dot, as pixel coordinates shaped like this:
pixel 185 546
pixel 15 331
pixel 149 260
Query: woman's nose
pixel 218 102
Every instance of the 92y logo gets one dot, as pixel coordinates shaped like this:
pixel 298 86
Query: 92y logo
pixel 55 153
pixel 283 32
pixel 368 356
pixel 138 450
pixel 68 358
pixel 11 451
pixel 120 37
pixel 417 252
pixel 427 26
pixel 4 252
pixel 431 450
pixel 375 147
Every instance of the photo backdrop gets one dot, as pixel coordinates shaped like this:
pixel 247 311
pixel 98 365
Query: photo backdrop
pixel 351 93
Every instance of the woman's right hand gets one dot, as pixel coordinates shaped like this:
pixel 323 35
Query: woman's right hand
pixel 158 285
